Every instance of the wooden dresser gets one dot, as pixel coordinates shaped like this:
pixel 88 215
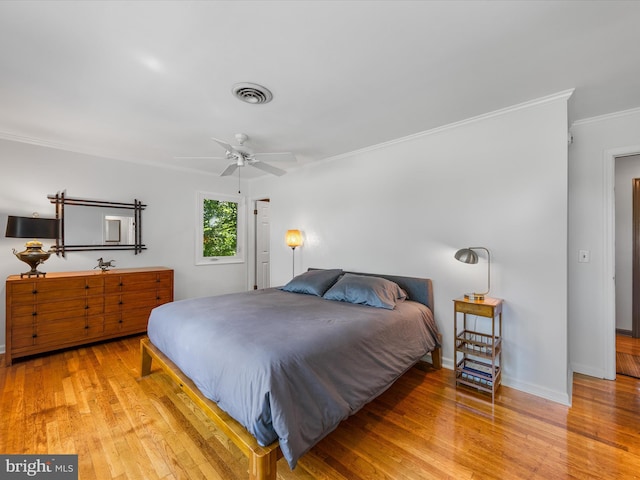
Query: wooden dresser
pixel 74 308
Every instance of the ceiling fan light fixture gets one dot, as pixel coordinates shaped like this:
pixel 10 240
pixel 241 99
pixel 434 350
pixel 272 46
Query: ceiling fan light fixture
pixel 252 93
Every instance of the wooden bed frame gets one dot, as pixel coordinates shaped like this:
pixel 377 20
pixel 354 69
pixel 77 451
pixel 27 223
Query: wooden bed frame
pixel 262 460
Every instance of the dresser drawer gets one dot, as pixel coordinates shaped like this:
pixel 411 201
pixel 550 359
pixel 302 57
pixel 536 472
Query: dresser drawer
pixel 133 321
pixel 129 300
pixel 130 283
pixel 164 295
pixel 22 337
pixel 62 331
pixel 475 309
pixel 59 289
pixel 165 278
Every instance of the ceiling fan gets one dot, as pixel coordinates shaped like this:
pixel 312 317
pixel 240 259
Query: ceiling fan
pixel 241 155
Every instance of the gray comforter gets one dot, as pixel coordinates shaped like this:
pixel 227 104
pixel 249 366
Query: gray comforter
pixel 290 366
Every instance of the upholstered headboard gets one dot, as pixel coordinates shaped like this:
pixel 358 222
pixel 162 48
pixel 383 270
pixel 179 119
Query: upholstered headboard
pixel 418 289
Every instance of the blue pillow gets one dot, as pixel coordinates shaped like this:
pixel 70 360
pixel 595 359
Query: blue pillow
pixel 373 291
pixel 313 282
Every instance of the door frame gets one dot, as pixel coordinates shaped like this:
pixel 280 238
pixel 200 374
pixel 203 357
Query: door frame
pixel 635 295
pixel 609 255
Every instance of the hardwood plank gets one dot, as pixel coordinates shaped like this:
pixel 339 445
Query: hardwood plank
pixel 90 401
pixel 626 344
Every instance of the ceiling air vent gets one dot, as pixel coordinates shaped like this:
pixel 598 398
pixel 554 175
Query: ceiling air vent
pixel 252 93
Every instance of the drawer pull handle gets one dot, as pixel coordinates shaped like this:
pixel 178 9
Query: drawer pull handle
pixel 120 321
pixel 34 313
pixel 121 284
pixel 35 335
pixel 86 327
pixel 86 307
pixel 121 302
pixel 86 287
pixel 157 298
pixel 34 291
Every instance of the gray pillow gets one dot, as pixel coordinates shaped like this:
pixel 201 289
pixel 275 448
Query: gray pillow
pixel 373 291
pixel 313 282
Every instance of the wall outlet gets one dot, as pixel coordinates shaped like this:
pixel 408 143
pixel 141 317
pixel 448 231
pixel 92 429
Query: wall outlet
pixel 584 256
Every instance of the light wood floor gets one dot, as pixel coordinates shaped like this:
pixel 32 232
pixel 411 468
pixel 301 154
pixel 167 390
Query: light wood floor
pixel 626 344
pixel 90 401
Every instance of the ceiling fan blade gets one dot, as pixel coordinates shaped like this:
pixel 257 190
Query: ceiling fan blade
pixel 200 158
pixel 268 168
pixel 275 157
pixel 224 145
pixel 229 170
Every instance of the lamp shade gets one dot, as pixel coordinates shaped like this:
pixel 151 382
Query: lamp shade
pixel 293 238
pixel 32 227
pixel 466 255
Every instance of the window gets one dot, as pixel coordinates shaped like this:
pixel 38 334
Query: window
pixel 219 229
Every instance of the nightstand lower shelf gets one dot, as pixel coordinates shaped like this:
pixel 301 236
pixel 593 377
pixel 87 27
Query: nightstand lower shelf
pixel 477 374
pixel 480 344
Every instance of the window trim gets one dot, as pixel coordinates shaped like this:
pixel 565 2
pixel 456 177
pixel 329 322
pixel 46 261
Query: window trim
pixel 200 259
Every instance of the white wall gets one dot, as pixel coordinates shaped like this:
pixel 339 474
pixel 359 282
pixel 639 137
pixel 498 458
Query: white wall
pixel 29 173
pixel 404 208
pixel 596 144
pixel 626 169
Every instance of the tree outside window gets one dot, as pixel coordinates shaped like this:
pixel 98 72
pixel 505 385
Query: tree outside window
pixel 220 228
pixel 220 223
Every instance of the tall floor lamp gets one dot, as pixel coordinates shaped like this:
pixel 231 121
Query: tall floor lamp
pixel 467 255
pixel 293 239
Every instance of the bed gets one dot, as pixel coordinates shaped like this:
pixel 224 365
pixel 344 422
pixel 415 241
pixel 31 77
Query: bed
pixel 278 369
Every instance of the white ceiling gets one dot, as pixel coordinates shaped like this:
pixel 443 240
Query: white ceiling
pixel 148 81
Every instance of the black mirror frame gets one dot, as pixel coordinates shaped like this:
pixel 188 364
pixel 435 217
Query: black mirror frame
pixel 60 199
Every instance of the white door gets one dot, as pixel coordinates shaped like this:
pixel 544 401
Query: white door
pixel 263 253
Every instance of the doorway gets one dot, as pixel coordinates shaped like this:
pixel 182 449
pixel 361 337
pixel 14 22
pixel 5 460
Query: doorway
pixel 262 244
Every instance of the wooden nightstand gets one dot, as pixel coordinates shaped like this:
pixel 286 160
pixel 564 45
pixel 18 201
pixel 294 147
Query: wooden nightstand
pixel 478 356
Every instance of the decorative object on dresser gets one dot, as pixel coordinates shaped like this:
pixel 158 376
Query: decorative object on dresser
pixel 34 228
pixel 74 308
pixel 467 255
pixel 480 353
pixel 104 266
pixel 293 239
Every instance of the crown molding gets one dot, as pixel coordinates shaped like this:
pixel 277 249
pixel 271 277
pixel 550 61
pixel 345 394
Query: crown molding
pixel 35 141
pixel 607 116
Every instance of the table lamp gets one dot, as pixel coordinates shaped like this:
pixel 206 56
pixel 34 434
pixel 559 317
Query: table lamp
pixel 467 255
pixel 32 227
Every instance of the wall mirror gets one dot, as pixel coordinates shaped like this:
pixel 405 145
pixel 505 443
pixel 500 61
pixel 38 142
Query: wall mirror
pixel 97 225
